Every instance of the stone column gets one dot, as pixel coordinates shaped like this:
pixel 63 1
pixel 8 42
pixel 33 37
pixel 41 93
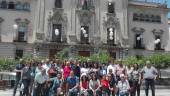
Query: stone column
pixel 1 20
pixel 39 16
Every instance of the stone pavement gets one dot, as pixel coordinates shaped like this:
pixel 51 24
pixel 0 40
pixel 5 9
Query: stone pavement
pixel 159 92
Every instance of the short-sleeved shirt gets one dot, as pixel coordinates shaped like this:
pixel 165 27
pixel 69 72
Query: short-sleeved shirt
pixel 123 86
pixel 19 67
pixel 39 78
pixel 149 73
pixel 72 81
pixel 67 70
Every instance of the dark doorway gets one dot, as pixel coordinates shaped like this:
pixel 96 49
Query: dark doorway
pixel 18 54
pixel 52 53
pixel 84 53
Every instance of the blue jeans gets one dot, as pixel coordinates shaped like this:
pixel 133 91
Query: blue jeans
pixel 151 83
pixel 17 82
pixel 26 83
pixel 123 94
pixel 73 92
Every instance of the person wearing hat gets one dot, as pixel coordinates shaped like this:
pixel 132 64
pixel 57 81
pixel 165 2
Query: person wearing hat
pixel 123 86
pixel 149 74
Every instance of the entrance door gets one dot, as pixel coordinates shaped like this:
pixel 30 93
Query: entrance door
pixel 84 53
pixel 52 53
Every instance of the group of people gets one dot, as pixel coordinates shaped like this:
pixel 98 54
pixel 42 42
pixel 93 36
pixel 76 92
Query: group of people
pixel 75 78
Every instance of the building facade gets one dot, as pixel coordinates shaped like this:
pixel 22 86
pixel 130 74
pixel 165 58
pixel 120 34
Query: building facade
pixel 45 27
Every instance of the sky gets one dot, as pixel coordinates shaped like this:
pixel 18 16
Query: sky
pixel 168 1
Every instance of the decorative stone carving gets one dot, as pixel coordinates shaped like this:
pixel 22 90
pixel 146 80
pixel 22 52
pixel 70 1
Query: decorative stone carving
pixel 85 16
pixel 40 36
pixel 111 21
pixel 158 32
pixel 138 30
pixel 22 21
pixel 58 17
pixel 1 20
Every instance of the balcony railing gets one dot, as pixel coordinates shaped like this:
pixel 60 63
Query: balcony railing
pixel 151 1
pixel 156 3
pixel 138 47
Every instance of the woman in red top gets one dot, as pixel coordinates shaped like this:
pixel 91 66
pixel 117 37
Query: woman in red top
pixel 84 85
pixel 105 86
pixel 66 70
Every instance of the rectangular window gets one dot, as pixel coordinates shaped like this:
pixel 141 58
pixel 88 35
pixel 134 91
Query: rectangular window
pixel 135 17
pixel 111 7
pixel 21 36
pixel 58 3
pixel 84 34
pixel 22 33
pixel 56 33
pixel 18 53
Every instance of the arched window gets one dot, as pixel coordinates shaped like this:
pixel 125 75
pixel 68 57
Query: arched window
pixel 11 5
pixel 4 4
pixel 18 6
pixel 26 6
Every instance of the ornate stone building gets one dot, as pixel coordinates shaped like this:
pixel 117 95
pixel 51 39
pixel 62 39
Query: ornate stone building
pixel 44 27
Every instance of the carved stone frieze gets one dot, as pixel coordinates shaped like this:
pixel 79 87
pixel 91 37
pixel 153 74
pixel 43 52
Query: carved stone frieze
pixel 1 20
pixel 40 36
pixel 158 32
pixel 111 21
pixel 22 21
pixel 138 30
pixel 58 16
pixel 85 16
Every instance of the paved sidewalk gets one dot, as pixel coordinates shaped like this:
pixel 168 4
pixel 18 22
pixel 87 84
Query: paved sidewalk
pixel 159 92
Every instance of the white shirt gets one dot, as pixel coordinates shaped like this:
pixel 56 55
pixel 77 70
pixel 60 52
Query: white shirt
pixel 149 73
pixel 84 70
pixel 41 78
pixel 113 67
pixel 123 86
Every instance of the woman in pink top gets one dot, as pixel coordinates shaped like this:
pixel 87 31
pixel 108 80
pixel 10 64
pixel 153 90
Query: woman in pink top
pixel 66 70
pixel 120 70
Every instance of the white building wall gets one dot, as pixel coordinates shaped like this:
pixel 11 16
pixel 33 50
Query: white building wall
pixel 148 36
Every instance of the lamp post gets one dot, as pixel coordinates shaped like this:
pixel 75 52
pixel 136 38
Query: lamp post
pixel 157 41
pixel 85 34
pixel 15 27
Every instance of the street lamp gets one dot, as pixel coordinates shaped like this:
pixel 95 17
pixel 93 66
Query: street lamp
pixel 157 41
pixel 111 34
pixel 15 27
pixel 84 32
pixel 57 32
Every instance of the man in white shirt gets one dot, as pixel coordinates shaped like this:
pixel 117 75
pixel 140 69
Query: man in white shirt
pixel 40 80
pixel 149 74
pixel 113 67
